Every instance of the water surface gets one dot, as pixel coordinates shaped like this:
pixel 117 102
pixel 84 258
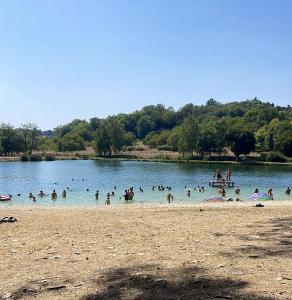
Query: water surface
pixel 23 178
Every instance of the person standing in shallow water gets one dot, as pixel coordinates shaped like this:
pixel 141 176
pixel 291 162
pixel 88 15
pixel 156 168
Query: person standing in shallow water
pixel 170 197
pixel 54 195
pixel 97 195
pixel 108 199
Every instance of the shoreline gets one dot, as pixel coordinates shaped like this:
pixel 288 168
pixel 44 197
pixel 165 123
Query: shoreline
pixel 171 160
pixel 141 206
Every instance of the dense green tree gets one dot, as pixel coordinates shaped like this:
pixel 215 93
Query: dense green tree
pixel 116 134
pixel 103 141
pixel 8 138
pixel 72 142
pixel 210 138
pixel 188 136
pixel 240 139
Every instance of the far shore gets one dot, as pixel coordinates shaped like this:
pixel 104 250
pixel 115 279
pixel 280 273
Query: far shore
pixel 164 160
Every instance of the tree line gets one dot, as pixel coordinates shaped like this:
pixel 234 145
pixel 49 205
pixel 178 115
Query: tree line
pixel 240 127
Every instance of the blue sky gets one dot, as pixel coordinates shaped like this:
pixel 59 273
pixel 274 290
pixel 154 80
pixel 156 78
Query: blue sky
pixel 61 60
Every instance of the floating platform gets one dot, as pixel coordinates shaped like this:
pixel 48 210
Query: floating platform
pixel 218 183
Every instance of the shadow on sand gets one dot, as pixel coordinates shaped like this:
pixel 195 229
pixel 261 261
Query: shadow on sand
pixel 149 282
pixel 273 238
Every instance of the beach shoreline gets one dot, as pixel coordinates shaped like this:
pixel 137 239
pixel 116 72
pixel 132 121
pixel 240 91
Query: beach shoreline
pixel 193 251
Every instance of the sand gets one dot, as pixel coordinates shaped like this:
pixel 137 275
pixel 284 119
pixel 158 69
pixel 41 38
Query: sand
pixel 228 251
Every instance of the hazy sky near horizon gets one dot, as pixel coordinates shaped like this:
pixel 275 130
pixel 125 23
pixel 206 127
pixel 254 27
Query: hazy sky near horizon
pixel 66 59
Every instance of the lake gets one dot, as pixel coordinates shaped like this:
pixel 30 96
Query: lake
pixel 23 178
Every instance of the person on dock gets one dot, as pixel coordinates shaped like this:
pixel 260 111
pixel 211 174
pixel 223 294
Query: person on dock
pixel 219 176
pixel 288 190
pixel 228 175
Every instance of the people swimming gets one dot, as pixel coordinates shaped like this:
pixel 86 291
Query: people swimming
pixel 64 194
pixel 237 190
pixel 108 199
pixel 270 193
pixel 288 190
pixel 189 193
pixel 97 194
pixel 129 194
pixel 30 195
pixel 42 194
pixel 222 191
pixel 54 195
pixel 256 191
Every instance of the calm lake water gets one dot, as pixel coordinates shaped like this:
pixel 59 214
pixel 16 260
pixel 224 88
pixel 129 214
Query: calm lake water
pixel 18 177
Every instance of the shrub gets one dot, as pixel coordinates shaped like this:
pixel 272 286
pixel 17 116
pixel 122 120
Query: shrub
pixel 50 157
pixel 276 157
pixel 35 157
pixel 24 158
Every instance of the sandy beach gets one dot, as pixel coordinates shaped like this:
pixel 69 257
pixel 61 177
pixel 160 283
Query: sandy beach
pixel 228 251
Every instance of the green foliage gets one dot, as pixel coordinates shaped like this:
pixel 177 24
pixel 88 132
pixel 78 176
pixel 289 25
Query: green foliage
pixel 49 157
pixel 103 141
pixel 189 132
pixel 71 142
pixel 239 138
pixel 24 158
pixel 209 129
pixel 275 157
pixel 210 138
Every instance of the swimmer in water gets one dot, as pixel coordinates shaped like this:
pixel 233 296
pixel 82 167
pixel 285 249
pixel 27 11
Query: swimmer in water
pixel 54 195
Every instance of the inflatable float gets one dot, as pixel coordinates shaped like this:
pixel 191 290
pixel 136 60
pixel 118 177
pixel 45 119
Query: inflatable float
pixel 214 199
pixel 5 197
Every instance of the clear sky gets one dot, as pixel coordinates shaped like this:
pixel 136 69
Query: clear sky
pixel 66 59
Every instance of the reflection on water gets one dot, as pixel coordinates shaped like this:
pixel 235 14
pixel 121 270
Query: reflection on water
pixel 79 176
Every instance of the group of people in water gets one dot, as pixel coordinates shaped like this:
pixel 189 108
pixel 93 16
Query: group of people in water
pixel 129 193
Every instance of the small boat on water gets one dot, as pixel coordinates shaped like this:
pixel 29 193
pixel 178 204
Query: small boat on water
pixel 5 197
